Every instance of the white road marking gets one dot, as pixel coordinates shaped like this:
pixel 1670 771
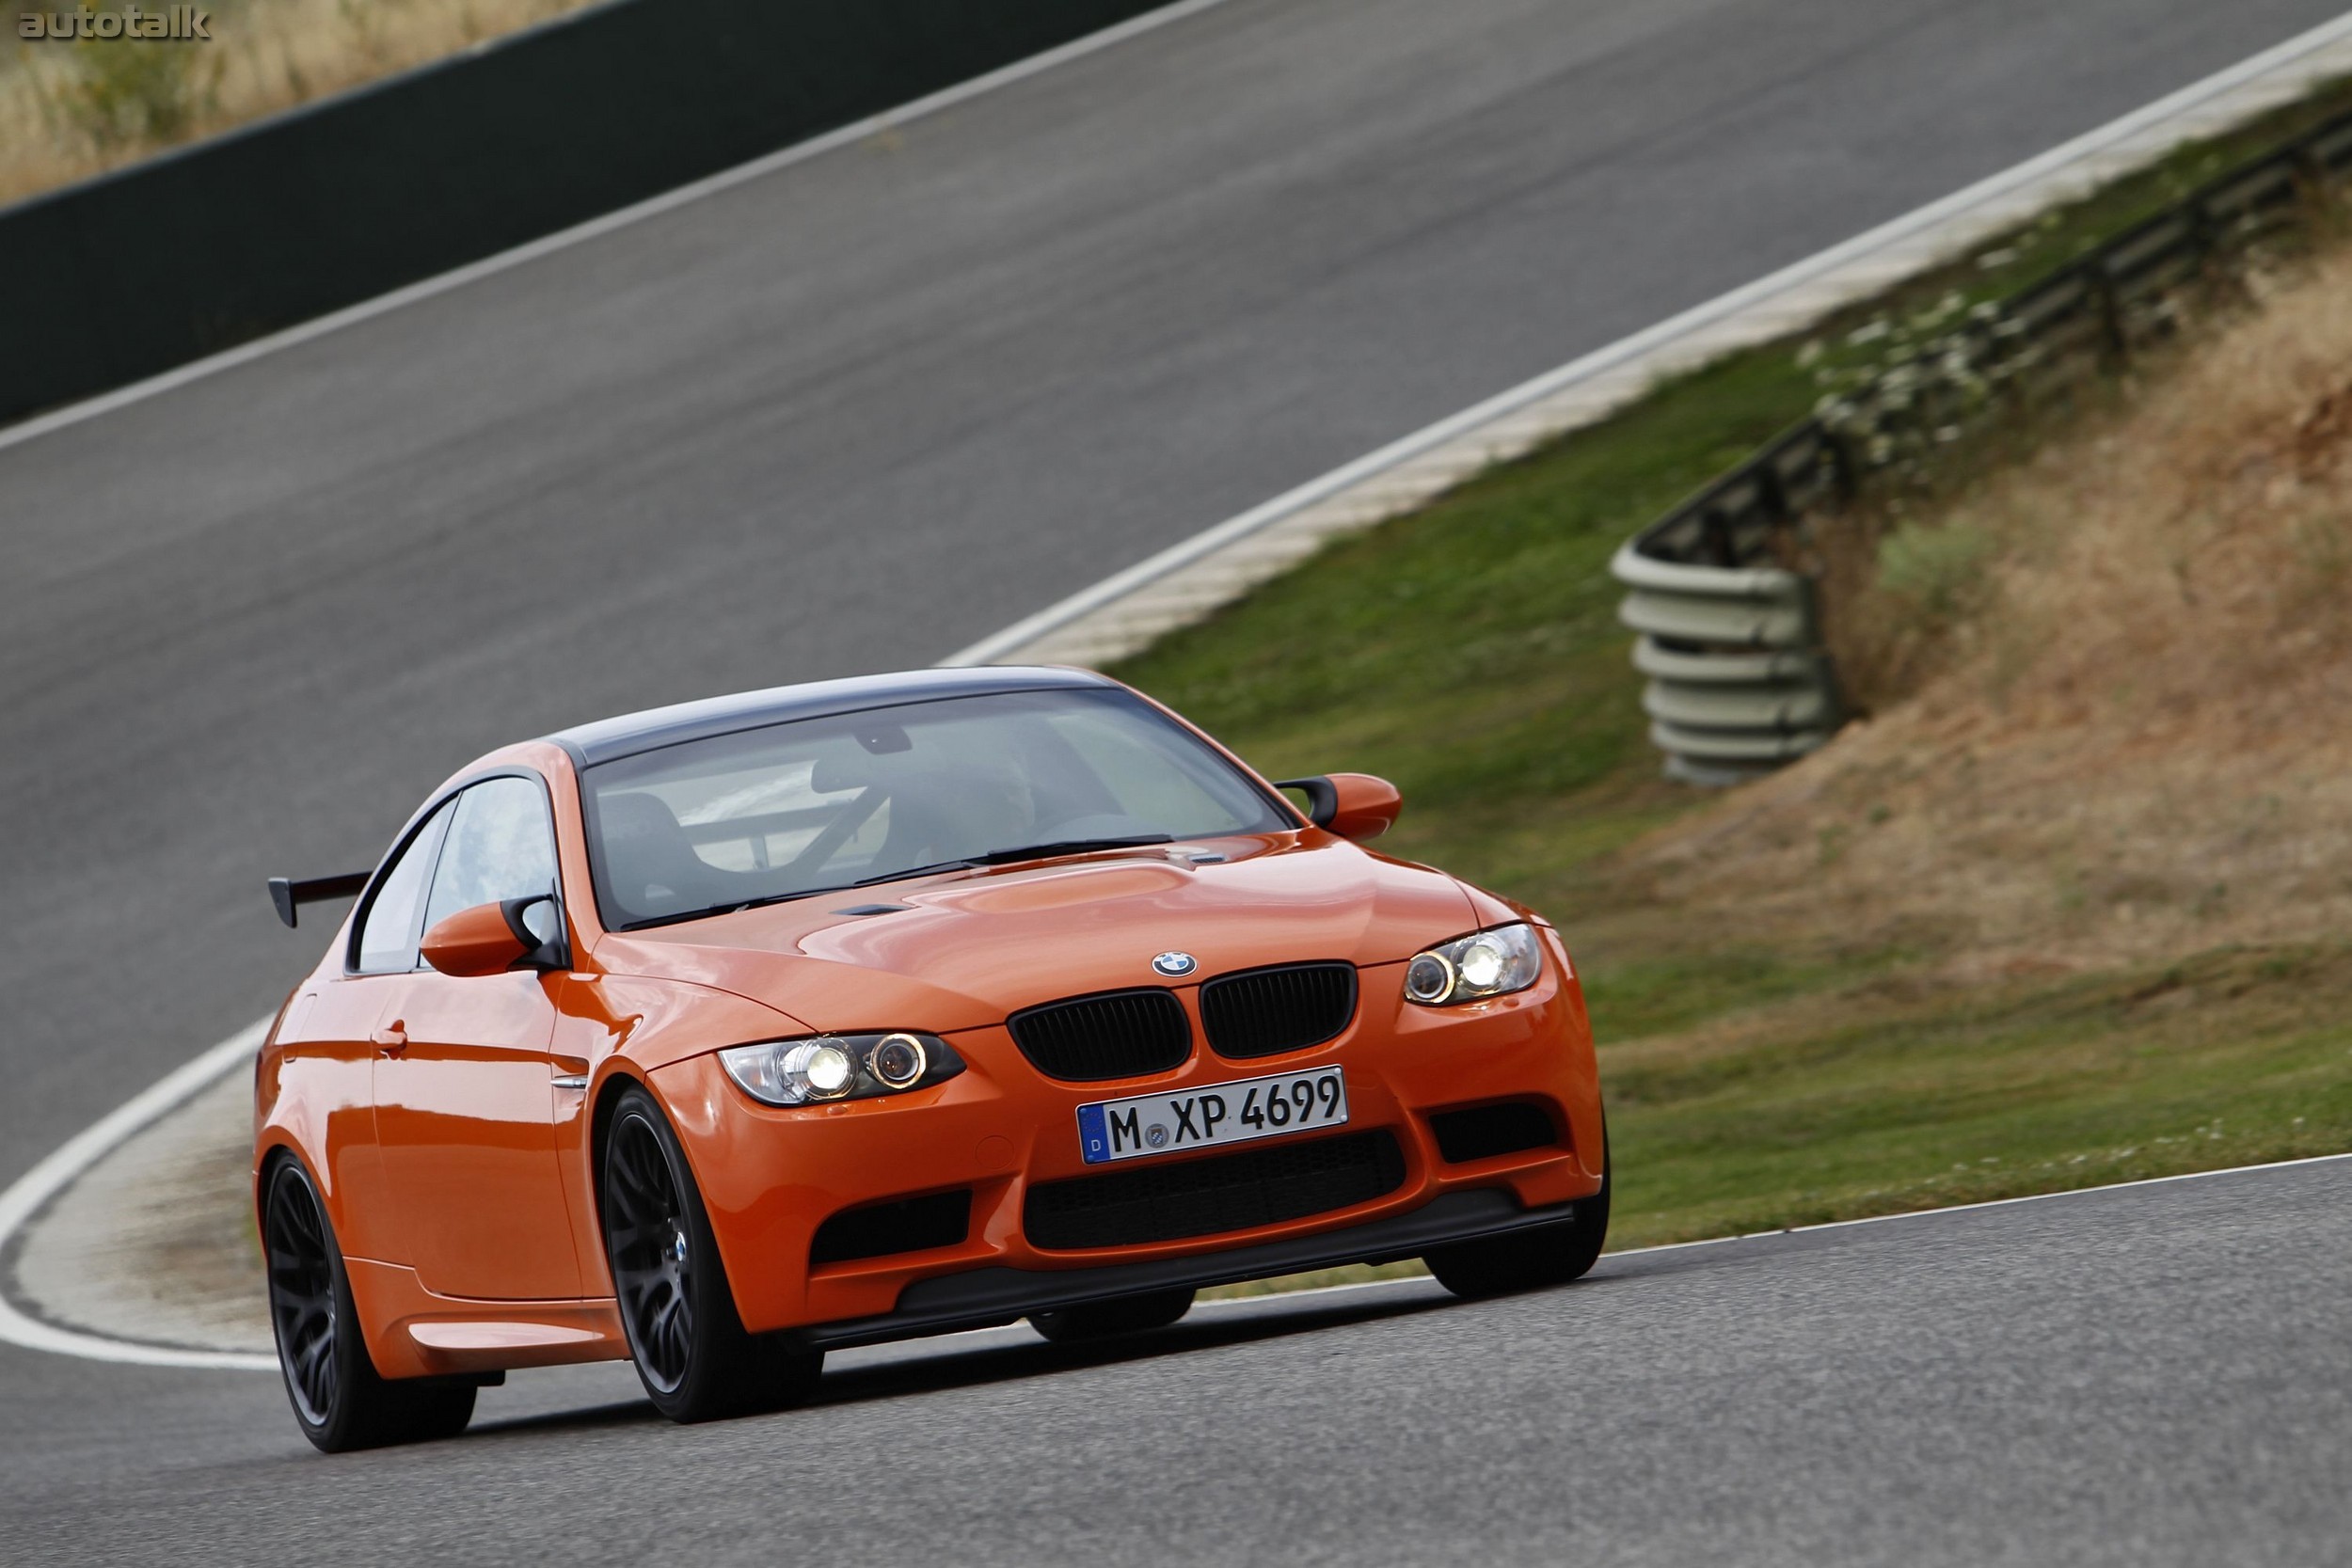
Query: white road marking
pixel 1084 629
pixel 946 1340
pixel 30 1194
pixel 35 1187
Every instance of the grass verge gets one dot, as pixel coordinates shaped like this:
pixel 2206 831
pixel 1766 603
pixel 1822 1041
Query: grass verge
pixel 1892 1095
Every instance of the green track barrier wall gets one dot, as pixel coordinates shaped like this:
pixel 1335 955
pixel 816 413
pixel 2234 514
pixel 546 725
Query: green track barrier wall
pixel 130 274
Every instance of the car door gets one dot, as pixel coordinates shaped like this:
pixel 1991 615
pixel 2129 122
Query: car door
pixel 333 1059
pixel 463 1098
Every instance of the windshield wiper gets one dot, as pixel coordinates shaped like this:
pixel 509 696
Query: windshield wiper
pixel 1069 847
pixel 844 887
pixel 910 871
pixel 709 910
pixel 993 857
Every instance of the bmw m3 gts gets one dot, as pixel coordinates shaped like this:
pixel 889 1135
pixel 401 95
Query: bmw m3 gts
pixel 720 1036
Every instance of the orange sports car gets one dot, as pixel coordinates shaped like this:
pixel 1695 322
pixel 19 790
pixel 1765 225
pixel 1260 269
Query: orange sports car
pixel 721 1035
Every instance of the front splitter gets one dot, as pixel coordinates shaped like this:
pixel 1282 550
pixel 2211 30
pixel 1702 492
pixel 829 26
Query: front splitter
pixel 984 1298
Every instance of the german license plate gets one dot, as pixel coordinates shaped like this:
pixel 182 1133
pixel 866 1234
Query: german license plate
pixel 1221 1114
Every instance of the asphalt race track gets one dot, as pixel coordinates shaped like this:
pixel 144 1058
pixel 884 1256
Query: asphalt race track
pixel 855 415
pixel 2151 1374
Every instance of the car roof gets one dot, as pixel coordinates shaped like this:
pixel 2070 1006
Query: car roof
pixel 632 733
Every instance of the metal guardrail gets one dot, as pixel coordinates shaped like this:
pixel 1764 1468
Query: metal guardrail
pixel 1739 681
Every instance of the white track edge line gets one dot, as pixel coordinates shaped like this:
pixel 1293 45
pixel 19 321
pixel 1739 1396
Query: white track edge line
pixel 670 201
pixel 32 1192
pixel 1837 1225
pixel 1209 541
pixel 1825 1224
pixel 1265 1297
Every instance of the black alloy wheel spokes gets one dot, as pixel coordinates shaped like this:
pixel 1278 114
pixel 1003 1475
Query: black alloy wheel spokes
pixel 302 1295
pixel 645 1233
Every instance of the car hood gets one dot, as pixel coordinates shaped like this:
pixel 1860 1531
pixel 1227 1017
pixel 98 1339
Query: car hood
pixel 964 950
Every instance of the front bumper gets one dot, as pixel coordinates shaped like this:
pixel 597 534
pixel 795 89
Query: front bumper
pixel 983 1298
pixel 770 1178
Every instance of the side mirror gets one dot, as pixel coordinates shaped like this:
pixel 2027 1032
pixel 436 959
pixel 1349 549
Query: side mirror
pixel 1353 805
pixel 491 939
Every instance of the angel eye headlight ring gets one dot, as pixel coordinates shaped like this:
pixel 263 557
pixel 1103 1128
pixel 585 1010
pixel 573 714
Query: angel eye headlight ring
pixel 827 1068
pixel 1428 978
pixel 898 1061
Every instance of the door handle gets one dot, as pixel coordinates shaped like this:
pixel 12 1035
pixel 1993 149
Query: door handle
pixel 390 1040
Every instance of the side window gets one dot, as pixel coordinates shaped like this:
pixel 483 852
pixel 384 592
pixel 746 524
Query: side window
pixel 389 931
pixel 500 846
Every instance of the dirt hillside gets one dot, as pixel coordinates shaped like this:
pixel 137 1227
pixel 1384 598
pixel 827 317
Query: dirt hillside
pixel 2113 683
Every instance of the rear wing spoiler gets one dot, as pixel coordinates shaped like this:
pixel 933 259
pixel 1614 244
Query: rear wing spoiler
pixel 288 895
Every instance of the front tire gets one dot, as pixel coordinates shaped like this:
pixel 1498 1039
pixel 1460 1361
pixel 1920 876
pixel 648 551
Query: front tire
pixel 1527 1260
pixel 340 1399
pixel 1101 1318
pixel 692 1353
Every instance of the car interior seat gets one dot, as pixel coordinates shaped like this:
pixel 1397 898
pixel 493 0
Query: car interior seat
pixel 649 863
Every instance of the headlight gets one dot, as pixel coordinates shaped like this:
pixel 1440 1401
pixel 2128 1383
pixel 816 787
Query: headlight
pixel 1471 968
pixel 839 1067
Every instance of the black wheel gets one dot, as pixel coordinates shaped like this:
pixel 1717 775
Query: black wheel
pixel 1527 1260
pixel 692 1354
pixel 338 1398
pixel 1101 1318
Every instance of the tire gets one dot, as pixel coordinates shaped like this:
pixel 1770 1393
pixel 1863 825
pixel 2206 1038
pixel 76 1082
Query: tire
pixel 338 1398
pixel 692 1354
pixel 1100 1319
pixel 1527 1260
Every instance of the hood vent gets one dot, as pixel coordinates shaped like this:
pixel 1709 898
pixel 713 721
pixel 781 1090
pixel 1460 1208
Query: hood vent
pixel 1119 1033
pixel 1260 1012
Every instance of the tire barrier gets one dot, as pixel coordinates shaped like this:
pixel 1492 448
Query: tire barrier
pixel 128 275
pixel 1731 642
pixel 1730 636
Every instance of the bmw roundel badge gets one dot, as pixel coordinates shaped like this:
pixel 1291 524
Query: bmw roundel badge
pixel 1174 964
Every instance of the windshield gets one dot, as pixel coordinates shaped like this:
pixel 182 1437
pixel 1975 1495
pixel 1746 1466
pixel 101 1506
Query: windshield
pixel 820 805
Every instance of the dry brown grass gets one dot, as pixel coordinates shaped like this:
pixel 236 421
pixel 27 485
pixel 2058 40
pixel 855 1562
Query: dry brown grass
pixel 72 110
pixel 2118 688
